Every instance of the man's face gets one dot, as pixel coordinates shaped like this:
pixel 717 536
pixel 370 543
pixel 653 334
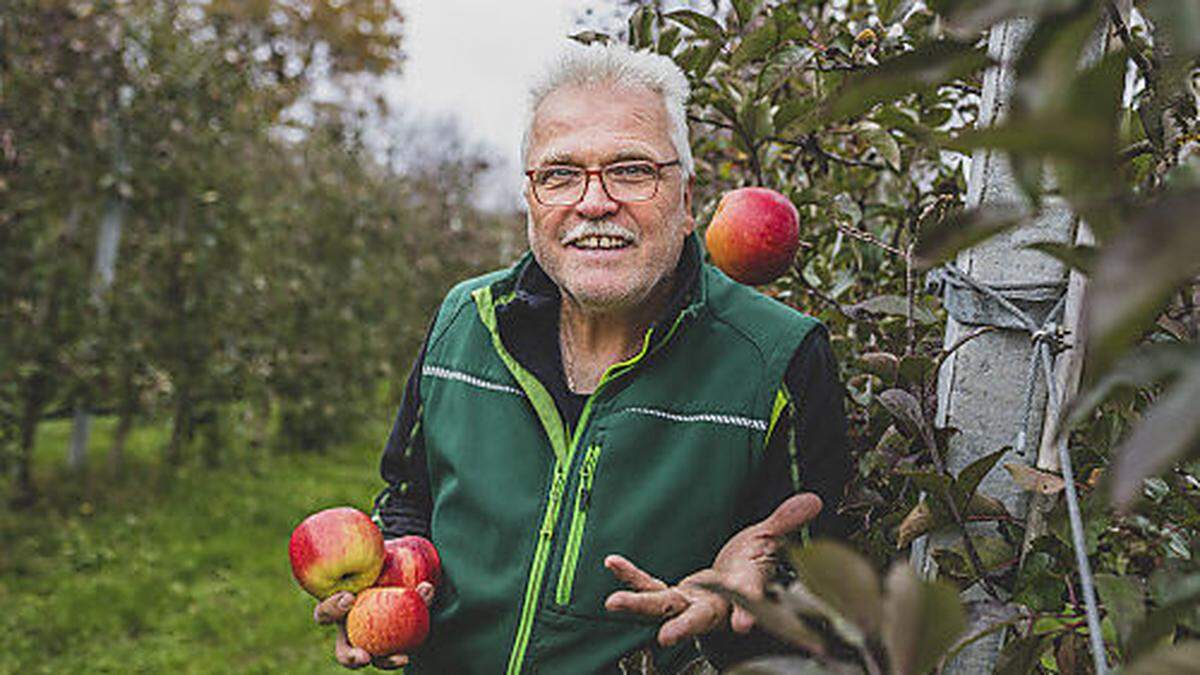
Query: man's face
pixel 590 127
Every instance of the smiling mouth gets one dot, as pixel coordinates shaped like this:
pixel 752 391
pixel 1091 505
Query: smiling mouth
pixel 600 243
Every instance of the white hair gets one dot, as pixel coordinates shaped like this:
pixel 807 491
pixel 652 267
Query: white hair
pixel 619 65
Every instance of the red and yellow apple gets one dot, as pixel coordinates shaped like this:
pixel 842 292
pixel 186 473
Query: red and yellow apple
pixel 388 620
pixel 337 549
pixel 410 560
pixel 753 235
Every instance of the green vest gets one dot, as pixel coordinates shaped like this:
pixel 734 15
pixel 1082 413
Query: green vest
pixel 525 509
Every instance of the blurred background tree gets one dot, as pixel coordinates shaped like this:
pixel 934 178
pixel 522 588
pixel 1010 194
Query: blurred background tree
pixel 270 263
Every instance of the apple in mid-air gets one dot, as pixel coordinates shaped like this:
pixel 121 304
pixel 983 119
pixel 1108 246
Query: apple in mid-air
pixel 409 561
pixel 387 620
pixel 337 549
pixel 754 235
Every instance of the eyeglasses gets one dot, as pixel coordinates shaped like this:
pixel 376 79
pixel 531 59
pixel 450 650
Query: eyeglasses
pixel 565 185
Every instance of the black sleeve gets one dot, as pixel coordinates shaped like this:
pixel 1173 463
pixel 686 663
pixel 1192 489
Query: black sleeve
pixel 813 431
pixel 810 439
pixel 404 505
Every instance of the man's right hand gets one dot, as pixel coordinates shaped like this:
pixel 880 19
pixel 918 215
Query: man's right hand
pixel 334 610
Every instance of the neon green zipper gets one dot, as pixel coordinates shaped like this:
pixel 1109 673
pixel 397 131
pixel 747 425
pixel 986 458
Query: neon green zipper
pixel 564 453
pixel 566 575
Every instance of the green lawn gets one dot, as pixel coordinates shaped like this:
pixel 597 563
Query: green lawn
pixel 139 575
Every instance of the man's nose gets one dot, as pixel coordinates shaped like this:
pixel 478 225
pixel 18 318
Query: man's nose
pixel 595 202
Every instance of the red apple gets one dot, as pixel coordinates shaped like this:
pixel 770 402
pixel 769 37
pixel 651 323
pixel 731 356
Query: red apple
pixel 335 550
pixel 754 235
pixel 409 561
pixel 389 620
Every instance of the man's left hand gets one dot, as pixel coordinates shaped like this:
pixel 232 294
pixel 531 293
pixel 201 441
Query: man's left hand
pixel 744 564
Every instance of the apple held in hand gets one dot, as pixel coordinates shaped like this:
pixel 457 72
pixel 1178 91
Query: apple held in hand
pixel 337 549
pixel 409 561
pixel 387 620
pixel 754 235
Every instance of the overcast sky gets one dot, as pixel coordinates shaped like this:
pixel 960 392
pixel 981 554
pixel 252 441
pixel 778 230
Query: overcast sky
pixel 472 58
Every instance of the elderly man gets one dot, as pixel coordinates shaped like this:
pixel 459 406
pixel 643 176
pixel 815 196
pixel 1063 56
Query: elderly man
pixel 587 435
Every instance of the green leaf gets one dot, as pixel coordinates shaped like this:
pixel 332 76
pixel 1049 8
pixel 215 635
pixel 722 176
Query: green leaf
pixel 1076 256
pixel 985 617
pixel 883 143
pixel 892 442
pixel 1142 367
pixel 886 10
pixel 1137 272
pixel 892 305
pixel 972 475
pixel 914 368
pixel 641 27
pixel 756 45
pixel 1039 586
pixel 1124 603
pixel 667 41
pixel 745 10
pixel 921 519
pixel 1179 23
pixel 587 37
pixel 1168 431
pixel 1049 60
pixel 972 16
pixel 755 119
pixel 921 621
pixel 702 60
pixel 905 408
pixel 883 364
pixel 983 507
pixel 1020 656
pixel 961 231
pixel 933 483
pixel 841 578
pixel 954 563
pixel 795 110
pixel 1054 134
pixel 912 72
pixel 1035 480
pixel 1168 660
pixel 1161 623
pixel 698 23
pixel 775 618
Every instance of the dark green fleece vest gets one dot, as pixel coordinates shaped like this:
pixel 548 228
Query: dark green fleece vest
pixel 525 510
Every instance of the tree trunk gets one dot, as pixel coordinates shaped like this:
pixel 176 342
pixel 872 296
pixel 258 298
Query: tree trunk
pixel 107 244
pixel 81 431
pixel 25 492
pixel 116 454
pixel 180 428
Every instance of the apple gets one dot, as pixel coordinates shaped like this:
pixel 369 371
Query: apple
pixel 388 620
pixel 754 235
pixel 408 561
pixel 337 549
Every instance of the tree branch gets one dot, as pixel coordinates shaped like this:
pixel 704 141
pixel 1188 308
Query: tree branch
pixel 1142 147
pixel 1143 63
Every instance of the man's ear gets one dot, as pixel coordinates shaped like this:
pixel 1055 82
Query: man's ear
pixel 687 204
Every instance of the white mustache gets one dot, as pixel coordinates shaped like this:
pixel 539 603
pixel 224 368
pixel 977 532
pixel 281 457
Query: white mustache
pixel 602 228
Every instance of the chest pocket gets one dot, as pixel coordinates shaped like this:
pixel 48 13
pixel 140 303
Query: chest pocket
pixel 658 487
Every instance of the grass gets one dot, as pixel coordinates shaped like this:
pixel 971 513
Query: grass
pixel 137 574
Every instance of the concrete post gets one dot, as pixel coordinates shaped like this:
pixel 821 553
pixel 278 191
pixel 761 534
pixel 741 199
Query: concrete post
pixel 982 387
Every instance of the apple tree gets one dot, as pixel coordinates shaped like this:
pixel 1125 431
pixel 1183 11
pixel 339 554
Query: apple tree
pixel 863 113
